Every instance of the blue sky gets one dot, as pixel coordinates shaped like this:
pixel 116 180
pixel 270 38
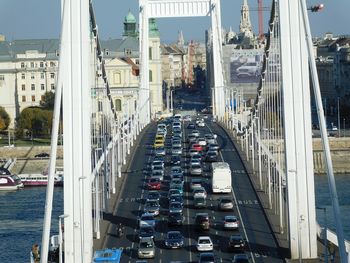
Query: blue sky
pixel 24 19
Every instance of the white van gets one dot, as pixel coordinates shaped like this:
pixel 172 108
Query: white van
pixel 221 179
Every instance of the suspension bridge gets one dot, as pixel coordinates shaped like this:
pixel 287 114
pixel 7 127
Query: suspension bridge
pixel 273 133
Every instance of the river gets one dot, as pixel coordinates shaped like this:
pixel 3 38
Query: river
pixel 22 213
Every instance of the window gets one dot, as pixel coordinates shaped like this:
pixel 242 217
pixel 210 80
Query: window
pixel 118 105
pixel 127 52
pixel 23 87
pixel 32 76
pixel 42 75
pixel 42 97
pixel 117 78
pixel 137 62
pixel 33 86
pixel 150 76
pixel 33 98
pixel 150 53
pixel 22 65
pixel 42 86
pixel 52 75
pixel 52 86
pixel 24 99
pixel 2 77
pixel 106 51
pixel 52 64
pixel 23 76
pixel 32 64
pixel 41 64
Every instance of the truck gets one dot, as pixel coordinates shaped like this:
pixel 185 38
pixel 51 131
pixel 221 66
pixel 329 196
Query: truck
pixel 221 179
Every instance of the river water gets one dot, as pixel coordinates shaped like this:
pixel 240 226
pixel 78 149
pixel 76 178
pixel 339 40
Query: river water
pixel 22 213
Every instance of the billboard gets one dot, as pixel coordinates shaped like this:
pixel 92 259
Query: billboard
pixel 245 66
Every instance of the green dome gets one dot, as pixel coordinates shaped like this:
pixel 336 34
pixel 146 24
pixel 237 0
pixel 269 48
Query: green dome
pixel 130 18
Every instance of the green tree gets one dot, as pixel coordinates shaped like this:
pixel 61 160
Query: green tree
pixel 4 119
pixel 49 100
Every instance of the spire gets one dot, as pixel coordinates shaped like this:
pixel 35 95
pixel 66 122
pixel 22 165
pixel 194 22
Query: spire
pixel 130 25
pixel 245 26
pixel 180 39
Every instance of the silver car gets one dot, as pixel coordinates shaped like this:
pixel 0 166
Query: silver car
pixel 196 169
pixel 176 150
pixel 146 248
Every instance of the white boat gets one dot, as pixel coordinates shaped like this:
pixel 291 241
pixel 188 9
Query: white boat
pixel 40 179
pixel 10 182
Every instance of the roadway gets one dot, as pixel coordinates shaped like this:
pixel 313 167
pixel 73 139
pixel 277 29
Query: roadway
pixel 254 227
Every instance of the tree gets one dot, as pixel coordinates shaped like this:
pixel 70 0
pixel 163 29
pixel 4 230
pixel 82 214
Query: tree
pixel 4 119
pixel 49 100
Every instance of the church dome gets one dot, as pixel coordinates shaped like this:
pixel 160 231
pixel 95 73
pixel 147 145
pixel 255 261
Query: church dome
pixel 130 18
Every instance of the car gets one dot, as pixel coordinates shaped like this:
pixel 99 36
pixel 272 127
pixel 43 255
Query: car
pixel 198 120
pixel 206 257
pixel 180 188
pixel 152 207
pixel 196 169
pixel 157 163
pixel 213 147
pixel 202 141
pixel 197 147
pixel 187 118
pixel 174 239
pixel 195 161
pixel 202 221
pixel 191 126
pixel 173 192
pixel 175 207
pixel 192 152
pixel 147 219
pixel 160 151
pixel 211 156
pixel 154 184
pixel 176 198
pixel 201 124
pixel 175 160
pixel 158 158
pixel 249 69
pixel 240 258
pixel 158 168
pixel 153 196
pixel 204 243
pixel 175 219
pixel 159 143
pixel 176 150
pixel 146 248
pixel 199 202
pixel 195 133
pixel 176 170
pixel 158 174
pixel 225 204
pixel 176 181
pixel 195 182
pixel 176 143
pixel 146 231
pixel 231 222
pixel 42 155
pixel 199 191
pixel 236 243
pixel 209 138
pixel 191 138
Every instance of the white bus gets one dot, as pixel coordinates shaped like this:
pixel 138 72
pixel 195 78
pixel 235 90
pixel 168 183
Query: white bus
pixel 221 179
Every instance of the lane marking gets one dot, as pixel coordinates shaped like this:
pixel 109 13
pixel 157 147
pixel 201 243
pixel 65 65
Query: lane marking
pixel 238 210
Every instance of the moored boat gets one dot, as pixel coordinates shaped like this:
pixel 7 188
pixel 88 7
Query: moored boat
pixel 40 179
pixel 10 182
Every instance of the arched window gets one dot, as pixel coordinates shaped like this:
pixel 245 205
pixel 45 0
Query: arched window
pixel 118 105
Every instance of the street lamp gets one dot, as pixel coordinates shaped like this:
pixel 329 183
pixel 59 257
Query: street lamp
pixel 171 101
pixel 60 236
pixel 325 233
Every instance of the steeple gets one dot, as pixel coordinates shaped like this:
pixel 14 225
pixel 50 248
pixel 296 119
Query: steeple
pixel 153 28
pixel 180 39
pixel 130 26
pixel 245 26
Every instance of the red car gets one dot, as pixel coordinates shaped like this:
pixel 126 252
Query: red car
pixel 153 184
pixel 197 147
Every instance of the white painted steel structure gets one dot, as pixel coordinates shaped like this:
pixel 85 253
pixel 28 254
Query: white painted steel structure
pixel 275 131
pixel 180 8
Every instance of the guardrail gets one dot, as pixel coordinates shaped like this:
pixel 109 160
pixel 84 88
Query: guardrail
pixel 331 237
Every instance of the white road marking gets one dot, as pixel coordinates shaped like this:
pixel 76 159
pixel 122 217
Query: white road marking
pixel 238 210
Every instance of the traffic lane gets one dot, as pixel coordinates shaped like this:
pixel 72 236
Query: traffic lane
pixel 261 239
pixel 131 201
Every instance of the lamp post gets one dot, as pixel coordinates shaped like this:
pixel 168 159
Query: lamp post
pixel 171 101
pixel 60 241
pixel 325 233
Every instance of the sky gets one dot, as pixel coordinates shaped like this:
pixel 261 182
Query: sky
pixel 34 19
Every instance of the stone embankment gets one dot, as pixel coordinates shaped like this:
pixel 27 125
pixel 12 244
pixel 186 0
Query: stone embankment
pixel 27 163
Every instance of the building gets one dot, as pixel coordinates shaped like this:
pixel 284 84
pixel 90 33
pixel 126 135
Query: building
pixel 28 68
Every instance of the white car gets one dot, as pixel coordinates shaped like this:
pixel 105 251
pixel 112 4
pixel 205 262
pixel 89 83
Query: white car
pixel 204 243
pixel 201 124
pixel 199 191
pixel 231 222
pixel 202 141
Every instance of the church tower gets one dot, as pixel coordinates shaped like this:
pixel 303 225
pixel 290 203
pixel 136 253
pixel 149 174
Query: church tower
pixel 130 26
pixel 180 39
pixel 245 26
